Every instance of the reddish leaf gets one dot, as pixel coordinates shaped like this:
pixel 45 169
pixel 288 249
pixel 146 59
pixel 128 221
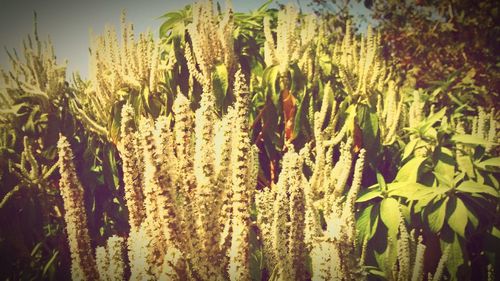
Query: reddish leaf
pixel 357 136
pixel 289 108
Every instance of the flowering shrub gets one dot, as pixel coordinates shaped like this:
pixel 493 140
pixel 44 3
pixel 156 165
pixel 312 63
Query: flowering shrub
pixel 249 146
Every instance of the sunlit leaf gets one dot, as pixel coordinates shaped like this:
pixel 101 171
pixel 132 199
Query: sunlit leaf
pixel 471 140
pixel 437 215
pixel 405 189
pixel 409 171
pixel 431 120
pixel 369 194
pixel 458 218
pixel 390 215
pixel 409 148
pixel 220 84
pixel 363 223
pixel 465 164
pixel 475 187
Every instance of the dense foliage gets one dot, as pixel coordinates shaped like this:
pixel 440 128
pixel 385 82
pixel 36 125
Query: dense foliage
pixel 324 157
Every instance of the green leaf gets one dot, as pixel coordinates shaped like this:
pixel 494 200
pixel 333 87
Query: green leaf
pixel 458 219
pixel 475 187
pixel 35 249
pixel 381 181
pixel 436 215
pixel 367 222
pixel 431 120
pixel 376 272
pixel 465 164
pixel 436 92
pixel 325 63
pixel 456 258
pixel 431 133
pixel 473 218
pixel 494 180
pixel 409 171
pixel 363 223
pixel 49 263
pixel 264 6
pixel 297 79
pixel 110 170
pixel 369 125
pixel 471 140
pixel 494 162
pixel 445 166
pixel 495 231
pixel 374 218
pixel 172 19
pixel 390 215
pixel 423 197
pixel 369 194
pixel 490 165
pixel 405 189
pixel 220 84
pixel 300 117
pixel 444 182
pixel 269 80
pixel 409 148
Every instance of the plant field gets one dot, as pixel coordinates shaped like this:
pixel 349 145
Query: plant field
pixel 268 145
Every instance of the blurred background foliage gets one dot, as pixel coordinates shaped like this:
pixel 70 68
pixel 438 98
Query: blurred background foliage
pixel 439 164
pixel 434 42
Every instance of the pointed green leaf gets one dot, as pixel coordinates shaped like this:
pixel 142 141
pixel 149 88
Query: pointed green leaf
pixel 374 218
pixel 473 218
pixel 404 189
pixel 363 223
pixel 446 165
pixel 495 231
pixel 390 215
pixel 456 258
pixel 494 162
pixel 409 148
pixel 50 263
pixel 269 80
pixel 490 165
pixel 220 84
pixel 436 215
pixel 381 181
pixel 475 187
pixel 471 140
pixel 409 171
pixel 458 219
pixel 465 164
pixel 444 181
pixel 432 119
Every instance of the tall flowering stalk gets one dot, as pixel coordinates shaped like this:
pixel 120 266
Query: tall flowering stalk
pixel 243 181
pixel 83 264
pixel 110 259
pixel 194 225
pixel 121 68
pixel 132 177
pixel 362 69
pixel 211 41
pixel 334 255
pixel 292 229
pixel 292 38
pixel 484 125
pixel 36 74
pixel 389 108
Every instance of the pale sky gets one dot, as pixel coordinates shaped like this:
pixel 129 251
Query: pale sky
pixel 68 22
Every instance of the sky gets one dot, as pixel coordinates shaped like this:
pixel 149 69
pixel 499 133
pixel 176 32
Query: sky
pixel 68 23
